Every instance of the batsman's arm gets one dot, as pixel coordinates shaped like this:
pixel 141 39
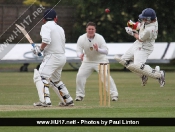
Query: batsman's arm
pixel 34 46
pixel 43 45
pixel 38 49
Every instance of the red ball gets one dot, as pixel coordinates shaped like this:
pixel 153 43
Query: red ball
pixel 107 10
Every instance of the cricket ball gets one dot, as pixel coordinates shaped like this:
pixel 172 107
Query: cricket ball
pixel 107 10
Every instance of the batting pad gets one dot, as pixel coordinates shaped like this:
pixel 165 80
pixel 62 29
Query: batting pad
pixel 39 85
pixel 144 70
pixel 55 89
pixel 121 61
pixel 62 92
pixel 125 63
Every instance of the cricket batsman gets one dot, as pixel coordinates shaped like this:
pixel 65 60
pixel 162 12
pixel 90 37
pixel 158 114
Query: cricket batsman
pixel 49 74
pixel 135 58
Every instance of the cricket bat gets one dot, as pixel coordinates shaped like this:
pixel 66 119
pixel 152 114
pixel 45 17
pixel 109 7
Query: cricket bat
pixel 27 36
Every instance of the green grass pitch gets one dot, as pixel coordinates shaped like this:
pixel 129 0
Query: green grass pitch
pixel 18 92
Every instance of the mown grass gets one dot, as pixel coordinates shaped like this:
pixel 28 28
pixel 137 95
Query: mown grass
pixel 18 92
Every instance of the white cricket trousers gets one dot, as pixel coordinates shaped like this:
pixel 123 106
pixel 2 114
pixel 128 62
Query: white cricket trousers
pixel 52 65
pixel 51 68
pixel 137 54
pixel 84 72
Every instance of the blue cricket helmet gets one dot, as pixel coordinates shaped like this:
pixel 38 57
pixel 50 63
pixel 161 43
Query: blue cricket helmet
pixel 148 14
pixel 49 15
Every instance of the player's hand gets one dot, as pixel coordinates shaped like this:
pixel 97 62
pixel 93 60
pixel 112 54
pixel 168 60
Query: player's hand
pixel 133 25
pixel 95 47
pixel 36 50
pixel 129 31
pixel 81 57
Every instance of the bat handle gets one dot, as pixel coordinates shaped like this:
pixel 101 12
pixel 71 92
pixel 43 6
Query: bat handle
pixel 39 54
pixel 33 45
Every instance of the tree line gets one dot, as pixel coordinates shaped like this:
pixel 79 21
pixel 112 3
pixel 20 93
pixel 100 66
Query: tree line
pixel 111 25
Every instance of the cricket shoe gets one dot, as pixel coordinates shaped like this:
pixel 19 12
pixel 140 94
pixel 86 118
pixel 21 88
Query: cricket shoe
pixel 71 103
pixel 79 98
pixel 144 80
pixel 162 78
pixel 115 98
pixel 43 104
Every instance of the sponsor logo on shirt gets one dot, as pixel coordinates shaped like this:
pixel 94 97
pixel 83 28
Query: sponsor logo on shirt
pixel 91 48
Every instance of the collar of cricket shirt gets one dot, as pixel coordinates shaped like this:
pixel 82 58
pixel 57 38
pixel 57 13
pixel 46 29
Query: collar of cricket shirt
pixel 90 39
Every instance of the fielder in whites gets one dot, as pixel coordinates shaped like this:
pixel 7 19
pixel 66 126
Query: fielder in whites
pixel 92 49
pixel 49 74
pixel 145 32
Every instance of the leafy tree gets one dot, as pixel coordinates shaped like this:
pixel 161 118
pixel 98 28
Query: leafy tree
pixel 111 25
pixel 51 2
pixel 10 2
pixel 35 2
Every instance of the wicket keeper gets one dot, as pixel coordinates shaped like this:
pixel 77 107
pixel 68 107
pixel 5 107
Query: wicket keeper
pixel 135 58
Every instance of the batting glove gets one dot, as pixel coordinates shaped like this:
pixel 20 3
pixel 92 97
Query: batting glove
pixel 36 50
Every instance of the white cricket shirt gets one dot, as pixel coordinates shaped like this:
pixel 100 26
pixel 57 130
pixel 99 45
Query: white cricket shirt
pixel 53 35
pixel 148 34
pixel 84 45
